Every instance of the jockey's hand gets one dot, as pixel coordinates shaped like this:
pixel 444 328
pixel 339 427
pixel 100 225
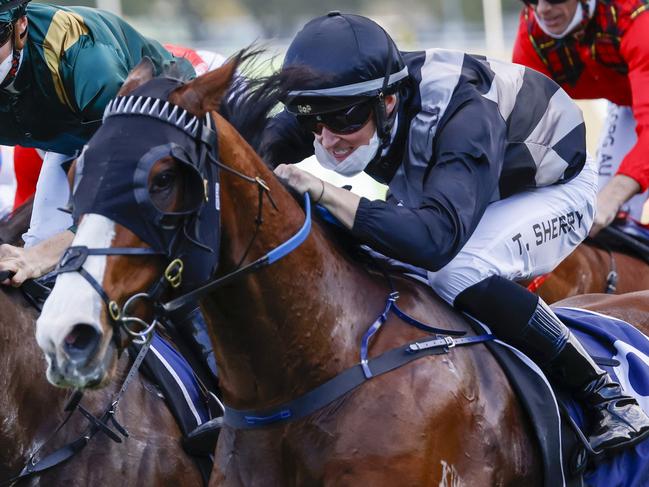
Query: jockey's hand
pixel 300 180
pixel 611 198
pixel 34 261
pixel 341 203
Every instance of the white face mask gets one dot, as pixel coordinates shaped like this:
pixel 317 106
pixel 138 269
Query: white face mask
pixel 354 163
pixel 576 19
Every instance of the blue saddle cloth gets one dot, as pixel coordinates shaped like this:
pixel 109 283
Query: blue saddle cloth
pixel 607 337
pixel 178 382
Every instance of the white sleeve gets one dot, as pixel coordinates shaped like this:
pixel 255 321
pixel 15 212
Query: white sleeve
pixel 52 193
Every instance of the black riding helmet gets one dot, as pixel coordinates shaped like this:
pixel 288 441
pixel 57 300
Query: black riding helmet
pixel 350 60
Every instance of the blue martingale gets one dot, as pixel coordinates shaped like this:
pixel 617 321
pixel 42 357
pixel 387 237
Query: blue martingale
pixel 355 376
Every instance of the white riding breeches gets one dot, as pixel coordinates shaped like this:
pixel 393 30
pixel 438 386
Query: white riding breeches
pixel 52 193
pixel 523 236
pixel 617 139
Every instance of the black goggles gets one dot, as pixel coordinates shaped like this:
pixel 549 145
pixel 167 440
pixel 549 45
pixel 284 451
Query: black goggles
pixel 345 121
pixel 536 2
pixel 6 30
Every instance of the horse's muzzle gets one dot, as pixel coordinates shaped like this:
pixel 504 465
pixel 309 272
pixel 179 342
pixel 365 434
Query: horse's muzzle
pixel 78 363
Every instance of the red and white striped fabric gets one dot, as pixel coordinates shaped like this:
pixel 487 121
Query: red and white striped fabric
pixel 203 61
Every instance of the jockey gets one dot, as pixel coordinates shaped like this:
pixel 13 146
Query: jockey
pixel 488 177
pixel 28 161
pixel 599 49
pixel 59 67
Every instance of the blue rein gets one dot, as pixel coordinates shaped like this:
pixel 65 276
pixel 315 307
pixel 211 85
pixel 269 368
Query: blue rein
pixel 271 257
pixel 296 240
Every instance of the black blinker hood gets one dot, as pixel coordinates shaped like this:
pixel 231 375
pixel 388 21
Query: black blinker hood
pixel 113 174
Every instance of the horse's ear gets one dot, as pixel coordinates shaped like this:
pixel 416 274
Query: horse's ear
pixel 205 93
pixel 142 73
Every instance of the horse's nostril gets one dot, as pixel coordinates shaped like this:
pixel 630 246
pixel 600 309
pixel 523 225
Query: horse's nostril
pixel 81 342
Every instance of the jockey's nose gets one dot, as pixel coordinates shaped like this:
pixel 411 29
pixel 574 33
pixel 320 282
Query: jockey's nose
pixel 81 343
pixel 544 6
pixel 328 138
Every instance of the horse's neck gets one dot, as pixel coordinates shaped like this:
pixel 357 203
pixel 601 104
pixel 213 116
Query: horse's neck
pixel 286 328
pixel 29 406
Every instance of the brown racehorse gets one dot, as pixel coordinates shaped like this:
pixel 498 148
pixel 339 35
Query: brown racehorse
pixel 31 409
pixel 281 331
pixel 587 270
pixel 443 420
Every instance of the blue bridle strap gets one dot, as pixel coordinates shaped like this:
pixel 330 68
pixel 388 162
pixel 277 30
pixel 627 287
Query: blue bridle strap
pixel 344 382
pixel 271 257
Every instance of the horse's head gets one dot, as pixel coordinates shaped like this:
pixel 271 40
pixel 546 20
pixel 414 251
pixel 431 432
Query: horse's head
pixel 146 196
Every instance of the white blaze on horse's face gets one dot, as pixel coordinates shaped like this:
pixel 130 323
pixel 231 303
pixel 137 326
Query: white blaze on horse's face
pixel 74 301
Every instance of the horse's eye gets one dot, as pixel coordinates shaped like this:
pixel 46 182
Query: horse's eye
pixel 163 181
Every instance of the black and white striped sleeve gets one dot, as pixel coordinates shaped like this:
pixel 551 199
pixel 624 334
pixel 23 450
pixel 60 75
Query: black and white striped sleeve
pixel 462 179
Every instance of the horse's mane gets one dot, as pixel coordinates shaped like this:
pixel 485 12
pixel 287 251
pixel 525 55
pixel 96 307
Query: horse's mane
pixel 16 223
pixel 253 100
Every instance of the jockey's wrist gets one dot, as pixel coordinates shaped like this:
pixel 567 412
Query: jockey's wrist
pixel 45 255
pixel 341 203
pixel 622 188
pixel 322 191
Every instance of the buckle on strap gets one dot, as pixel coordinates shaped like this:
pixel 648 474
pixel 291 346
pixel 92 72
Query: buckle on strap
pixel 174 273
pixel 446 342
pixel 113 309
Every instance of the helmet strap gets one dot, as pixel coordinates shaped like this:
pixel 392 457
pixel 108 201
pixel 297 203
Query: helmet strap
pixel 383 121
pixel 381 169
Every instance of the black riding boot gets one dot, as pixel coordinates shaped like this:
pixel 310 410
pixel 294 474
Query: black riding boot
pixel 519 317
pixel 617 421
